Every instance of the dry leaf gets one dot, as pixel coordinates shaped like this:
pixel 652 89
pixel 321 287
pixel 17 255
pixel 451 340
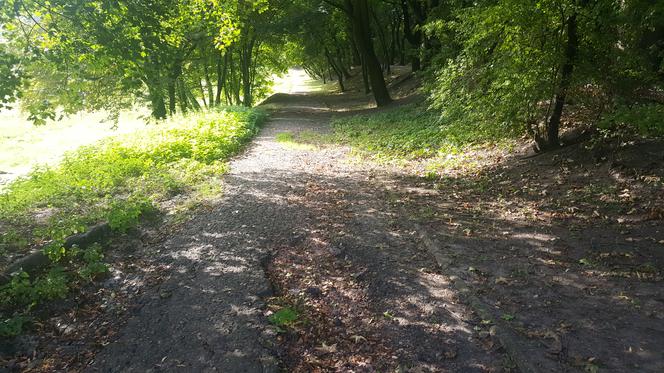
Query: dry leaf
pixel 327 349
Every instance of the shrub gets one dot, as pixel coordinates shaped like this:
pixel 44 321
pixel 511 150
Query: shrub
pixel 116 180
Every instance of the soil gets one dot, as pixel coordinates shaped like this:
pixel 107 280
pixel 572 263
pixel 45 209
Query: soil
pixel 384 269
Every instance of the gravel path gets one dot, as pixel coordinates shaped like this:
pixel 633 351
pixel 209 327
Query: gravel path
pixel 207 316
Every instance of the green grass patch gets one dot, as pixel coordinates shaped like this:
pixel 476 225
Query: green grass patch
pixel 413 132
pixel 118 179
pixel 646 120
pixel 24 145
pixel 284 318
pixel 290 141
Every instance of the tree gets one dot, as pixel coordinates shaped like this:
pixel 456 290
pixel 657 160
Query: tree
pixel 10 71
pixel 521 62
pixel 104 55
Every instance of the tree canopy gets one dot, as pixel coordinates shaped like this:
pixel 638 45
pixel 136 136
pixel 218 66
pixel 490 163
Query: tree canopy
pixel 511 63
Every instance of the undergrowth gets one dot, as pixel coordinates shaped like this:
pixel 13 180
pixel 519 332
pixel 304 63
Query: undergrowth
pixel 117 180
pixel 412 132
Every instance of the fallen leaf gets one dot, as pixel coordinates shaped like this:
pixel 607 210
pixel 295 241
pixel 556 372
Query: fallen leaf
pixel 358 338
pixel 451 354
pixel 327 349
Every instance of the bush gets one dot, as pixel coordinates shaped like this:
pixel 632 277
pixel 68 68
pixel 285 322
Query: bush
pixel 411 132
pixel 116 180
pixel 646 120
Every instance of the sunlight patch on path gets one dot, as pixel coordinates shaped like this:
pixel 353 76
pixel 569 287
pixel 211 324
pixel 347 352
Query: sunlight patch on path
pixel 296 80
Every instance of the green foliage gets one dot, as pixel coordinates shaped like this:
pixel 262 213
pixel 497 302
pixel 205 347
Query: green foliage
pixel 11 77
pixel 93 265
pixel 124 214
pixel 12 326
pixel 22 292
pixel 413 132
pixel 285 317
pixel 503 72
pixel 646 120
pixel 284 137
pixel 118 180
pixel 172 55
pixel 513 53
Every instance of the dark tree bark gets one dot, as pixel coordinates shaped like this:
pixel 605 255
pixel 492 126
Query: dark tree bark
pixel 208 83
pixel 175 73
pixel 413 37
pixel 191 98
pixel 358 11
pixel 365 78
pixel 171 96
pixel 384 46
pixel 157 101
pixel 337 69
pixel 550 139
pixel 245 71
pixel 200 86
pixel 183 96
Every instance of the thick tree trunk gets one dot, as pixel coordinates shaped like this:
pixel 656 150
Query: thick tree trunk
pixel 157 101
pixel 171 96
pixel 192 99
pixel 183 97
pixel 175 73
pixel 359 12
pixel 200 86
pixel 383 42
pixel 357 59
pixel 365 79
pixel 246 60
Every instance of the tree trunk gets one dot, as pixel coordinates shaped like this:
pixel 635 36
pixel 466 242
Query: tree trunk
pixel 337 70
pixel 200 85
pixel 359 11
pixel 221 77
pixel 183 97
pixel 192 99
pixel 208 83
pixel 175 73
pixel 171 96
pixel 357 59
pixel 413 37
pixel 157 101
pixel 551 139
pixel 382 40
pixel 365 78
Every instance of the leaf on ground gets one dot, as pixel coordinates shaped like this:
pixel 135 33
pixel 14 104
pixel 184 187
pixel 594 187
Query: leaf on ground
pixel 507 317
pixel 327 349
pixel 358 338
pixel 502 281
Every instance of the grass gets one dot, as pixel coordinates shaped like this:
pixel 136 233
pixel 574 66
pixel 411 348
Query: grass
pixel 24 145
pixel 411 132
pixel 291 141
pixel 118 179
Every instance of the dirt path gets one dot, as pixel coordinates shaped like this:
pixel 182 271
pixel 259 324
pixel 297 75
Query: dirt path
pixel 382 274
pixel 284 203
pixel 207 316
